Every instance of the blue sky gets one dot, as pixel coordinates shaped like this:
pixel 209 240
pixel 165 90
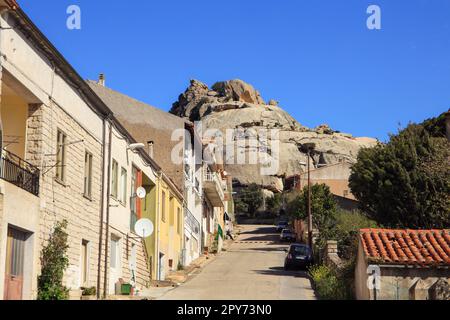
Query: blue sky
pixel 316 57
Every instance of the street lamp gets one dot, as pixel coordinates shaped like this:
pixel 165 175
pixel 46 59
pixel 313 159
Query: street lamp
pixel 308 148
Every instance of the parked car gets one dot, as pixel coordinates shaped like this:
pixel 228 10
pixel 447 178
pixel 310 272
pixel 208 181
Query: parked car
pixel 299 256
pixel 288 235
pixel 282 225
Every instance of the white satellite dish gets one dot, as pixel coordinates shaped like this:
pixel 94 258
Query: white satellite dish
pixel 141 192
pixel 144 228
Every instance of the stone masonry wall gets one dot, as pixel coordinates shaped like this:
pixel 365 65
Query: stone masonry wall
pixel 66 200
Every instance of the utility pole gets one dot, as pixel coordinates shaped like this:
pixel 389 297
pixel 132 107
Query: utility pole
pixel 310 226
pixel 308 148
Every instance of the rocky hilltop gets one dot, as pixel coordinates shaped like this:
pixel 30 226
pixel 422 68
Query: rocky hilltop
pixel 236 104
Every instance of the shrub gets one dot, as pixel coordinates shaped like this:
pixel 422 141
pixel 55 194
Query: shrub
pixel 274 203
pixel 92 291
pixel 348 224
pixel 54 261
pixel 249 200
pixel 327 284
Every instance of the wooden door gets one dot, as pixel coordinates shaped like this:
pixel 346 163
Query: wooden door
pixel 15 255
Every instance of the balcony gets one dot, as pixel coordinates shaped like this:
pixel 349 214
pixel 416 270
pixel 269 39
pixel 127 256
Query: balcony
pixel 19 172
pixel 191 221
pixel 212 186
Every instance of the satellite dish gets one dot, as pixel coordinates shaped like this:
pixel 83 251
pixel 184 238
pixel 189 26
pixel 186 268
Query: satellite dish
pixel 144 228
pixel 141 192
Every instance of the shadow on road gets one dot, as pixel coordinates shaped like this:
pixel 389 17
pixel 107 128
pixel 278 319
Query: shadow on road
pixel 279 271
pixel 261 230
pixel 274 248
pixel 267 237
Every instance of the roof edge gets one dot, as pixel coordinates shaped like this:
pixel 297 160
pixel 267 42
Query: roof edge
pixel 27 26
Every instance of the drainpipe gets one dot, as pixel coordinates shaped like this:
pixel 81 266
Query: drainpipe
pixel 158 225
pixel 102 208
pixel 108 188
pixel 2 10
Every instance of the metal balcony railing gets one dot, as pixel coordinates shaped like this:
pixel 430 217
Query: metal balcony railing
pixel 19 172
pixel 213 177
pixel 191 221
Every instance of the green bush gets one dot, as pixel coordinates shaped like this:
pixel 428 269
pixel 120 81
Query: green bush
pixel 274 203
pixel 249 200
pixel 54 261
pixel 327 284
pixel 92 291
pixel 348 224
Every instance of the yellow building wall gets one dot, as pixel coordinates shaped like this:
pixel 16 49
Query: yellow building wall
pixel 14 115
pixel 149 210
pixel 168 235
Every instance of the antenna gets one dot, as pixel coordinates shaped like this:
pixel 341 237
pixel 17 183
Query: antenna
pixel 141 192
pixel 144 228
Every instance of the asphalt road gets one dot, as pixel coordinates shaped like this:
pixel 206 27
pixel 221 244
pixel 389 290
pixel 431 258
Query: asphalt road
pixel 251 269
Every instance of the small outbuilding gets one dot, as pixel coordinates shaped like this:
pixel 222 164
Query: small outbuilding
pixel 403 265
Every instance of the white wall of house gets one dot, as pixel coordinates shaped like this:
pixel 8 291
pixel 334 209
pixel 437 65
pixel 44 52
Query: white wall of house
pixel 57 105
pixel 193 200
pixel 129 244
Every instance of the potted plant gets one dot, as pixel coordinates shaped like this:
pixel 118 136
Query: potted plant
pixel 89 293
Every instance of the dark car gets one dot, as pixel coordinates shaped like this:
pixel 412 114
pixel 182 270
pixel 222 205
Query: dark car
pixel 288 235
pixel 299 256
pixel 282 225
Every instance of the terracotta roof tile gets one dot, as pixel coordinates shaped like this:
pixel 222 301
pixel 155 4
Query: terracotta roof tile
pixel 410 247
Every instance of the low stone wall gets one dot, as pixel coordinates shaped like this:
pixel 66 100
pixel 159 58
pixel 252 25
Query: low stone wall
pixel 331 257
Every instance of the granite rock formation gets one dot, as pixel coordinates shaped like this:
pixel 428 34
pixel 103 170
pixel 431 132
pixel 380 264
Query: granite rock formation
pixel 235 104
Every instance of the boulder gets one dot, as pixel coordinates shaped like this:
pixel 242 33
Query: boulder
pixel 238 90
pixel 236 108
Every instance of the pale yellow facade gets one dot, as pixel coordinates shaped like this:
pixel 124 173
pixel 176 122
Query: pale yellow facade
pixel 166 244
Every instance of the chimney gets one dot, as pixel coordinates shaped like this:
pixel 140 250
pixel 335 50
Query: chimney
pixel 150 145
pixel 101 79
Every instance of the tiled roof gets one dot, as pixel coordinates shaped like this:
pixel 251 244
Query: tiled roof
pixel 407 247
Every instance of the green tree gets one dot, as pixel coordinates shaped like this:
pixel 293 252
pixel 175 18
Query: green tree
pixel 249 199
pixel 274 203
pixel 346 230
pixel 54 261
pixel 323 208
pixel 406 183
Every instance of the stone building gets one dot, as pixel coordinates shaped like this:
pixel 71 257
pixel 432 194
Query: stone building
pixel 50 122
pixel 64 155
pixel 403 265
pixel 335 176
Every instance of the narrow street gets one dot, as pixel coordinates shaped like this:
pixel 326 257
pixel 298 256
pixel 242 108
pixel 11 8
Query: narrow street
pixel 251 269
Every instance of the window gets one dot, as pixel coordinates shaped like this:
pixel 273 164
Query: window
pixel 115 254
pixel 114 181
pixel 171 210
pixel 179 222
pixel 87 174
pixel 61 156
pixel 134 199
pixel 123 186
pixel 163 207
pixel 84 262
